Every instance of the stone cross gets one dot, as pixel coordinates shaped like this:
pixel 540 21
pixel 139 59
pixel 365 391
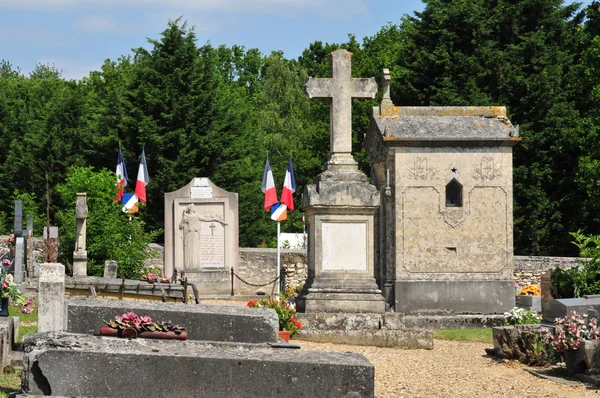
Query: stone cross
pixel 341 88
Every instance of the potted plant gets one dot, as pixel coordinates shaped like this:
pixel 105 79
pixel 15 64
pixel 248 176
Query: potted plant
pixel 132 325
pixel 571 334
pixel 9 291
pixel 286 312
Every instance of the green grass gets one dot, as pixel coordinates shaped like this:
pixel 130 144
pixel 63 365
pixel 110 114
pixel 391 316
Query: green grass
pixel 25 330
pixel 483 335
pixel 10 381
pixel 25 318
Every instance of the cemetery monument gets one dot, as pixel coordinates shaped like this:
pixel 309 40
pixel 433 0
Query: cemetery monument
pixel 341 208
pixel 446 211
pixel 201 235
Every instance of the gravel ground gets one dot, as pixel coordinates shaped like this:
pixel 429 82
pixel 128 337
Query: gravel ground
pixel 452 369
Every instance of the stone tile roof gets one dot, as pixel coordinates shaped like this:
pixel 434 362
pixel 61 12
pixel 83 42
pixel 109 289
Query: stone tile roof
pixel 446 124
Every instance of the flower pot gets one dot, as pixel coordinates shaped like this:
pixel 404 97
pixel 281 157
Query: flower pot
pixel 574 361
pixel 284 335
pixel 106 330
pixel 4 306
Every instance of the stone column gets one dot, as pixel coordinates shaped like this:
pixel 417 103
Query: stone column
pixel 80 254
pixel 51 298
pixel 110 269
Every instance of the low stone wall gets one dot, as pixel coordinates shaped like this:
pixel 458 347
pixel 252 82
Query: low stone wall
pixel 528 269
pixel 259 266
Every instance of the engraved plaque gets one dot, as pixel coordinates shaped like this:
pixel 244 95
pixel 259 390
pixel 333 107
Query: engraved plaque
pixel 201 189
pixel 212 245
pixel 344 246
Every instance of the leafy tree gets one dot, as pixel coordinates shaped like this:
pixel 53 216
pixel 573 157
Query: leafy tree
pixel 111 234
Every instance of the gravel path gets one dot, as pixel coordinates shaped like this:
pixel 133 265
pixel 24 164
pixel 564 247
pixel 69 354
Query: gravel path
pixel 452 369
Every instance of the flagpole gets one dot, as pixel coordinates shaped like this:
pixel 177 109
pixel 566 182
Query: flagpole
pixel 278 256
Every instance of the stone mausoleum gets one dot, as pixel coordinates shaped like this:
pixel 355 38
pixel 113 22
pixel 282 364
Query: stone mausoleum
pixel 445 234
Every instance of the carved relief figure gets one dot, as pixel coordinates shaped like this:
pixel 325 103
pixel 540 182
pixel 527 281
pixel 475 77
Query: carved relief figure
pixel 190 224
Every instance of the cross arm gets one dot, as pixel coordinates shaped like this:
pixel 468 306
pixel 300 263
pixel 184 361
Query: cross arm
pixel 319 88
pixel 364 88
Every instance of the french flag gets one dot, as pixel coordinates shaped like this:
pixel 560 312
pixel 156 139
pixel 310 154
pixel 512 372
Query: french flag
pixel 121 176
pixel 289 187
pixel 278 212
pixel 142 179
pixel 268 187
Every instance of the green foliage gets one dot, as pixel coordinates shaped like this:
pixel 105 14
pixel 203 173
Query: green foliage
pixel 562 284
pixel 111 234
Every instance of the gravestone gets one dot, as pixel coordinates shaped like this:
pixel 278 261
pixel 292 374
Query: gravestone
pixel 201 235
pixel 341 207
pixel 29 246
pixel 446 212
pixel 80 253
pixel 588 304
pixel 18 226
pixel 110 269
pixel 19 260
pixel 51 297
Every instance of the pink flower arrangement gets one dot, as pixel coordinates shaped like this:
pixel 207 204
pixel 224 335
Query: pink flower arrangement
pixel 130 320
pixel 571 330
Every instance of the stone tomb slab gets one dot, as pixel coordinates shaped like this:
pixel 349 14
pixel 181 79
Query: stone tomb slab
pixel 203 322
pixel 563 307
pixel 62 365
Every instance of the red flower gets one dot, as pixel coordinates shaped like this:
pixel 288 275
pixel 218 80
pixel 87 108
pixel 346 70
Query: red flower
pixel 298 325
pixel 4 285
pixel 250 303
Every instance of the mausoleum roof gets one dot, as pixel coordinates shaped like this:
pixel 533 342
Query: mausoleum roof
pixel 445 125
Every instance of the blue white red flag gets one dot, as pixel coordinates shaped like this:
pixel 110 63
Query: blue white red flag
pixel 142 179
pixel 289 187
pixel 121 176
pixel 130 202
pixel 278 212
pixel 268 187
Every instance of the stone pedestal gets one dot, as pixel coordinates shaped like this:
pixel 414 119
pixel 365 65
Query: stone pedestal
pixel 80 263
pixel 51 298
pixel 341 210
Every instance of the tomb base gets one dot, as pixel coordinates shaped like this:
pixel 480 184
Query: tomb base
pixel 210 281
pixel 348 295
pixel 454 297
pixel 80 263
pixel 61 365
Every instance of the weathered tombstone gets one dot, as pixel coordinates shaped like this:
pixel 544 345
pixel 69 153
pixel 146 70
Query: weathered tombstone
pixel 50 244
pixel 51 298
pixel 18 226
pixel 19 260
pixel 446 235
pixel 588 304
pixel 110 269
pixel 201 235
pixel 341 207
pixel 80 254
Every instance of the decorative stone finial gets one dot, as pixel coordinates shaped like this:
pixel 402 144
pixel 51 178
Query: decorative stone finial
pixel 387 106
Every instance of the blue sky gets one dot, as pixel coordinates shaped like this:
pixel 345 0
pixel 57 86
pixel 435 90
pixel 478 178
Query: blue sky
pixel 78 35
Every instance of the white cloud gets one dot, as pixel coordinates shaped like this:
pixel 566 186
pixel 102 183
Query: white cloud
pixel 330 8
pixel 97 24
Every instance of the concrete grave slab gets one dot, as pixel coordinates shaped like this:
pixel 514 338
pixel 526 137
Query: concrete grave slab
pixel 563 307
pixel 63 365
pixel 203 322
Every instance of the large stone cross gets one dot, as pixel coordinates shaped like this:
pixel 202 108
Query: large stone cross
pixel 341 88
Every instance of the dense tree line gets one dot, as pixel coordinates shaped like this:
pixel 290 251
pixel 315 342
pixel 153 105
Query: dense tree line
pixel 218 111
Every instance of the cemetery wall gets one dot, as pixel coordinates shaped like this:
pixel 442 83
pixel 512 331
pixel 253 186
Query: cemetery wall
pixel 257 266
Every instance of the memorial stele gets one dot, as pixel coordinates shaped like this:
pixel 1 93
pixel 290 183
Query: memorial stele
pixel 445 243
pixel 201 235
pixel 341 208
